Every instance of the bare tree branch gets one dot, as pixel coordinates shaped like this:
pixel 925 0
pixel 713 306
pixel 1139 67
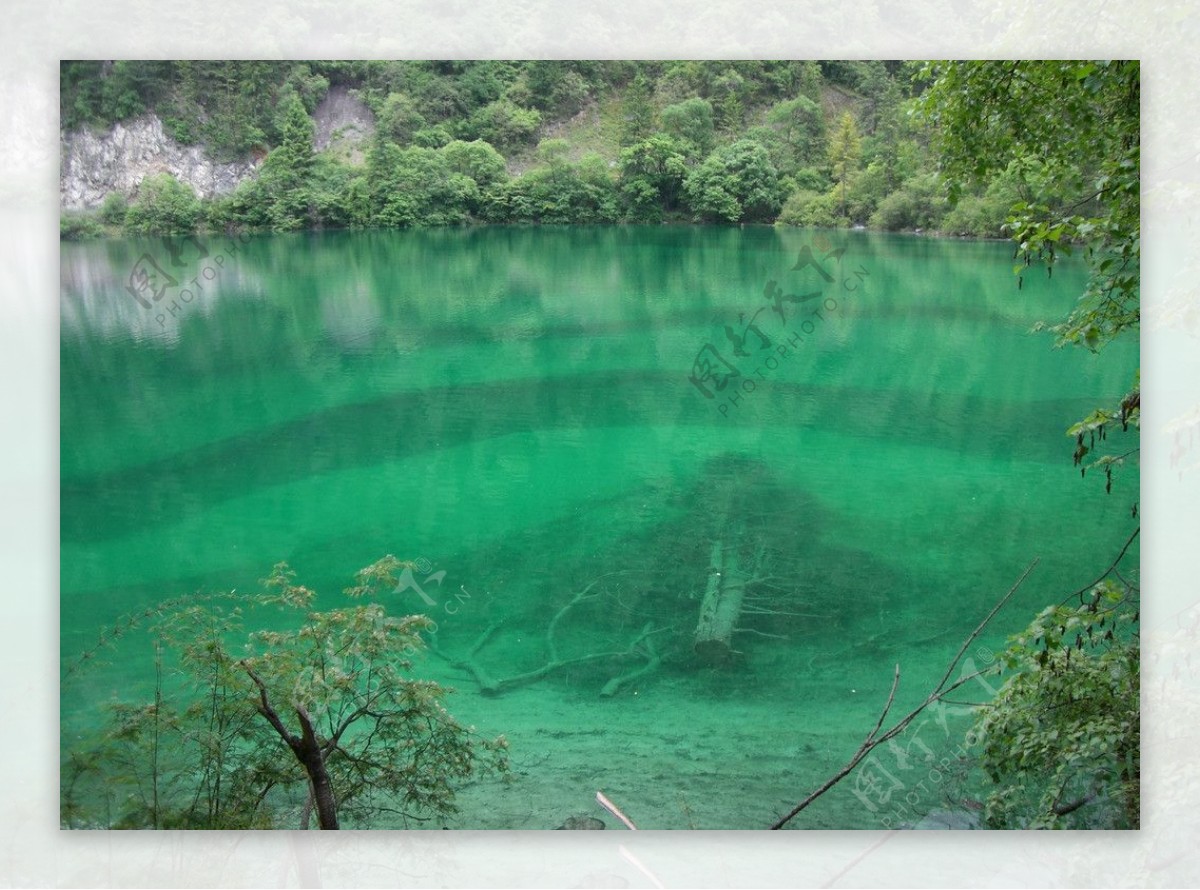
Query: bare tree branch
pixel 1116 562
pixel 874 739
pixel 264 708
pixel 864 749
pixel 489 685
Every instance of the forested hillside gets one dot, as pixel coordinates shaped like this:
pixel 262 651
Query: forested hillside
pixel 791 142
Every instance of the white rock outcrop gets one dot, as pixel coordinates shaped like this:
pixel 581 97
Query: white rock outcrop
pixel 92 165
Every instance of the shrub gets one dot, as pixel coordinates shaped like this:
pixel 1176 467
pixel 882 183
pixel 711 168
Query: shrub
pixel 113 210
pixel 919 204
pixel 982 216
pixel 1061 739
pixel 866 190
pixel 164 206
pixel 76 226
pixel 561 192
pixel 810 208
pixel 502 124
pixel 734 184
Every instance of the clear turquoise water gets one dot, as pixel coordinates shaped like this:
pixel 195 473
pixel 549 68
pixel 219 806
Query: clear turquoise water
pixel 513 406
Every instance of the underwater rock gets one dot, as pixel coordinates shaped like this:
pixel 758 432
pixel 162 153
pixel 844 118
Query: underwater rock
pixel 581 823
pixel 943 820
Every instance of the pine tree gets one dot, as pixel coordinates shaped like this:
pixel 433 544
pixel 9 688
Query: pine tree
pixel 638 114
pixel 845 152
pixel 288 169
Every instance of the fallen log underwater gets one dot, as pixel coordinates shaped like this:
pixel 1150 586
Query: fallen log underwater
pixel 720 608
pixel 641 647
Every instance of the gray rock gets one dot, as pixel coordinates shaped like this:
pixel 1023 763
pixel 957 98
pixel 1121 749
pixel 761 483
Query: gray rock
pixel 94 164
pixel 342 122
pixel 581 823
pixel 947 820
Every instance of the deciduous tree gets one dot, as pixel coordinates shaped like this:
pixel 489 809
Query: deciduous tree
pixel 319 713
pixel 1073 127
pixel 734 184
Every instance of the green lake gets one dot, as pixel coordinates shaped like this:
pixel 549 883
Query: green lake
pixel 523 411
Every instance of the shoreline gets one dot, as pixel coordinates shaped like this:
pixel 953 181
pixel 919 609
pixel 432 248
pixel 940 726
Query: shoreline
pixel 476 224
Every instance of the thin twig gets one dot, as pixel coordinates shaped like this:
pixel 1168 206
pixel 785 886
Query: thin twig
pixel 874 739
pixel 863 750
pixel 984 623
pixel 1116 562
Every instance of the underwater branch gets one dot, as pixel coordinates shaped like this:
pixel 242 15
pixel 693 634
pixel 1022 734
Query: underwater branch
pixel 940 691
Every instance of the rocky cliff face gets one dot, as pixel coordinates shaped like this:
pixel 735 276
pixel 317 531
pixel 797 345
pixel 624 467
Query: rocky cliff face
pixel 343 125
pixel 92 165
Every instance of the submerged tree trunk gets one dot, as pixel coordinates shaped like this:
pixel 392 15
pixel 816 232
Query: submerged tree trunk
pixel 721 607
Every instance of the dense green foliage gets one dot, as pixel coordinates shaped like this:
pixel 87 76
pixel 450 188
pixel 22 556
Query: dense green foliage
pixel 735 183
pixel 652 176
pixel 75 226
pixel 801 143
pixel 1071 168
pixel 559 191
pixel 1061 740
pixel 1078 157
pixel 246 728
pixel 164 206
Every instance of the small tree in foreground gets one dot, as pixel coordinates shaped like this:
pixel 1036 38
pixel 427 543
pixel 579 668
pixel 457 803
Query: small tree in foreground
pixel 321 717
